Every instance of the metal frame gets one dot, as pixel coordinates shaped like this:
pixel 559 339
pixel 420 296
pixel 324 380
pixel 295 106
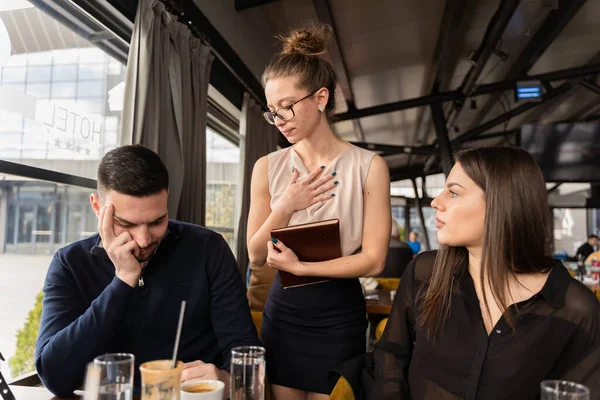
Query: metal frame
pixel 41 174
pixel 398 105
pixel 420 212
pixel 241 5
pixel 392 149
pixel 552 26
pixel 591 86
pixel 487 136
pixel 553 188
pixel 501 86
pixel 443 141
pixel 489 43
pixel 457 14
pixel 323 9
pixel 5 391
pixel 473 133
pixel 400 174
pixel 117 47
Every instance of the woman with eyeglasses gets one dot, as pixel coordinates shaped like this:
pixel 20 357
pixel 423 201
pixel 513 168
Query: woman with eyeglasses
pixel 309 330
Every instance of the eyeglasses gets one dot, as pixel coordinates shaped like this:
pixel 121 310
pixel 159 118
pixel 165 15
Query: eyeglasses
pixel 285 113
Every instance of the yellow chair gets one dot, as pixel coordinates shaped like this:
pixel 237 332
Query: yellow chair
pixel 380 328
pixel 342 390
pixel 388 283
pixel 257 319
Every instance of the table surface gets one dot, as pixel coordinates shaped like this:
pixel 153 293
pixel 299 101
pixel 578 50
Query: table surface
pixel 383 304
pixel 39 393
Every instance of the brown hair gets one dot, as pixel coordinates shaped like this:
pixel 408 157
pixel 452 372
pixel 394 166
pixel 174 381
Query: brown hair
pixel 299 57
pixel 133 170
pixel 516 233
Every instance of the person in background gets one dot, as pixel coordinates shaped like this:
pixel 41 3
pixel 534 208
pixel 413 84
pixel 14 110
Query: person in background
pixel 120 291
pixel 413 242
pixel 398 257
pixel 587 248
pixel 490 315
pixel 308 330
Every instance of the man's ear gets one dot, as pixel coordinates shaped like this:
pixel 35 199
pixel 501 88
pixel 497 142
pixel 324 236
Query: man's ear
pixel 95 203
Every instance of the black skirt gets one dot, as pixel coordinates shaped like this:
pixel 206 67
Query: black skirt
pixel 309 330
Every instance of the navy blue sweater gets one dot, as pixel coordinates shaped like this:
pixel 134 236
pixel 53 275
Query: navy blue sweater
pixel 88 311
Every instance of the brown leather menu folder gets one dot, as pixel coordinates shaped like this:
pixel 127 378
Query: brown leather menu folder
pixel 312 242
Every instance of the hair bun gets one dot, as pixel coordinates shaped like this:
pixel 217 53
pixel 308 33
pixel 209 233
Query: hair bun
pixel 309 41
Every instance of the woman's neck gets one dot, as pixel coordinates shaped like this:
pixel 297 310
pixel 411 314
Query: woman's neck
pixel 518 287
pixel 475 262
pixel 321 146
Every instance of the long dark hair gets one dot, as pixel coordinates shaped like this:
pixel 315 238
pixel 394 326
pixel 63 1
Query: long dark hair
pixel 516 233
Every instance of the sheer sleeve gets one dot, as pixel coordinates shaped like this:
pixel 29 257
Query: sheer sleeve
pixel 393 352
pixel 581 361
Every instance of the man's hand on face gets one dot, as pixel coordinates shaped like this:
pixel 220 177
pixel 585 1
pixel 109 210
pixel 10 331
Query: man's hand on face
pixel 120 249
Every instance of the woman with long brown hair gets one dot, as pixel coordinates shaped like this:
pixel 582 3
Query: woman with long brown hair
pixel 308 330
pixel 490 315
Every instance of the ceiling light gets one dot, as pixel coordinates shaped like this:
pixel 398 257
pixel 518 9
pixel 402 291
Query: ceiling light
pixel 528 90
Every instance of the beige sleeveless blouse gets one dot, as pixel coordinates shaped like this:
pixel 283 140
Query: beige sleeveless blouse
pixel 352 168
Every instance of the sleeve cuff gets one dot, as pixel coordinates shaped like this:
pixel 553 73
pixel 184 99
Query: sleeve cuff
pixel 118 291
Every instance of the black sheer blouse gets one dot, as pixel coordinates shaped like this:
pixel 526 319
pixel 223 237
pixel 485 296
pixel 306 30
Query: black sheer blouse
pixel 558 337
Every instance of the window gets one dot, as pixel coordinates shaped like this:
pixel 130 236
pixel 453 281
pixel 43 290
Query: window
pixel 64 90
pixel 570 230
pixel 57 99
pixel 415 225
pixel 594 221
pixel 398 215
pixel 90 89
pixel 223 163
pixel 54 115
pixel 39 73
pixel 64 73
pixel 36 219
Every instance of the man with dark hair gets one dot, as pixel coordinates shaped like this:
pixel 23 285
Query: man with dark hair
pixel 121 289
pixel 587 248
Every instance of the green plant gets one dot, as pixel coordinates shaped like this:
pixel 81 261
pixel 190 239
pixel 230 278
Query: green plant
pixel 22 361
pixel 401 231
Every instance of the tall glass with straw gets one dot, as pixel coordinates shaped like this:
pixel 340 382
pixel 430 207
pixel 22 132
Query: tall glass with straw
pixel 161 379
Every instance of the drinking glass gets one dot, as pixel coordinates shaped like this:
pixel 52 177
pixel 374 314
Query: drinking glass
pixel 160 381
pixel 116 376
pixel 563 390
pixel 248 373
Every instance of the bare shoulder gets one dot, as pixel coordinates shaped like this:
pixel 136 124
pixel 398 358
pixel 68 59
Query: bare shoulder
pixel 260 176
pixel 262 164
pixel 379 172
pixel 379 164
